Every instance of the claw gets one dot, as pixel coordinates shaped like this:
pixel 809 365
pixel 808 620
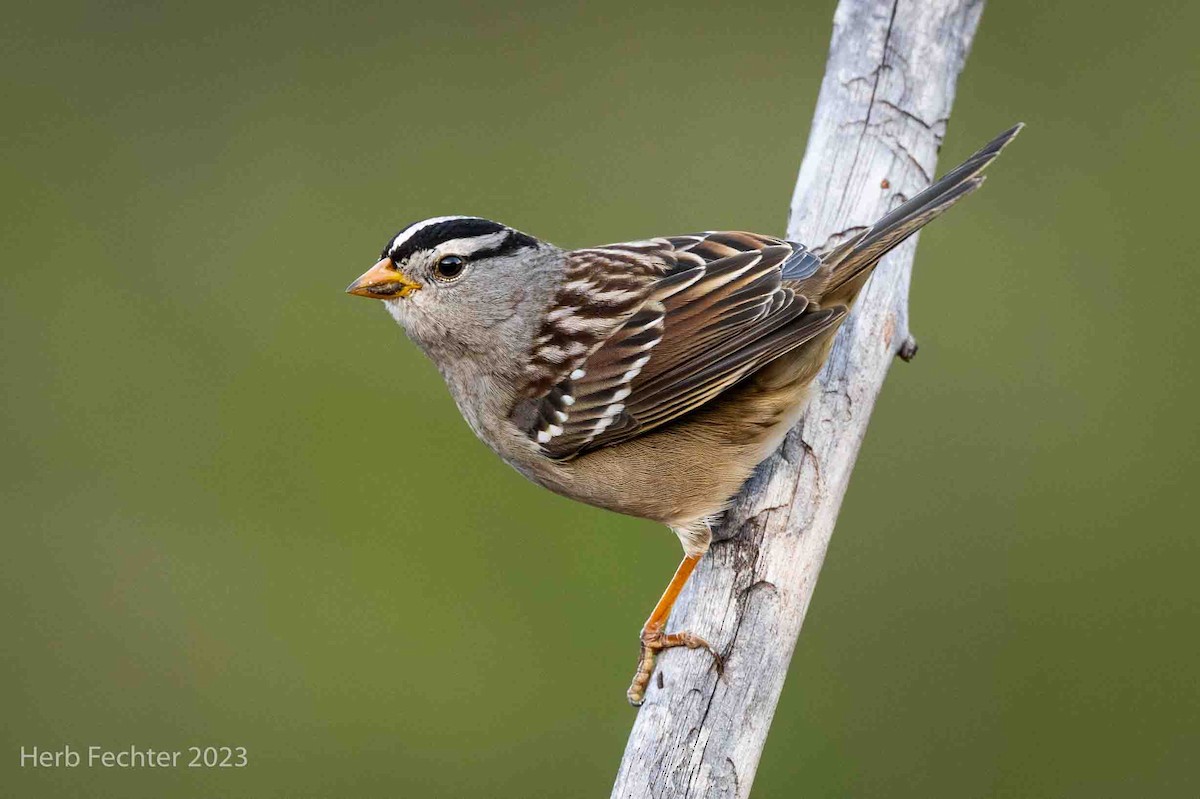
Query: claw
pixel 654 640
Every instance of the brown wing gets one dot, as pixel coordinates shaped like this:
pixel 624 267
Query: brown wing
pixel 718 310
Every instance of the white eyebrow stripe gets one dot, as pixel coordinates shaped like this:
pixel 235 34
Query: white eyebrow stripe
pixel 411 230
pixel 471 244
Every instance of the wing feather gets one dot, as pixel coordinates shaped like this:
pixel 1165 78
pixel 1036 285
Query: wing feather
pixel 715 308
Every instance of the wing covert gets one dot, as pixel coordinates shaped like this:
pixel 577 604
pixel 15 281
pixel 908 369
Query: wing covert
pixel 714 308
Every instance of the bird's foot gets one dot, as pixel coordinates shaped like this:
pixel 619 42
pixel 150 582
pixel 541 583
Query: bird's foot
pixel 654 640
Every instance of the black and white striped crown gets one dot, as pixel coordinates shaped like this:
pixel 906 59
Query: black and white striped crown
pixel 479 237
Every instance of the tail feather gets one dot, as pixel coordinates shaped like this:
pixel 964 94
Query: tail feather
pixel 849 260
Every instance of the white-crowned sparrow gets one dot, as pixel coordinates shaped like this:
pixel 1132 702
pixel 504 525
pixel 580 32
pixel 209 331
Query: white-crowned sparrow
pixel 648 377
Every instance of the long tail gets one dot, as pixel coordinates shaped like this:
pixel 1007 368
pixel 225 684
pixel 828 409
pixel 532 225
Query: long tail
pixel 857 256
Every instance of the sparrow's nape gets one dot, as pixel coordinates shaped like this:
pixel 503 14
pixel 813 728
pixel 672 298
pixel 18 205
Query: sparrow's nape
pixel 383 281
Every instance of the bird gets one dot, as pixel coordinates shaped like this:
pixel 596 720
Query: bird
pixel 646 377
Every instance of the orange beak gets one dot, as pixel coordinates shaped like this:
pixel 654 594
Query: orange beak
pixel 383 281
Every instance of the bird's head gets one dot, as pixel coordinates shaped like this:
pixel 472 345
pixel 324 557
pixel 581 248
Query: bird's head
pixel 459 283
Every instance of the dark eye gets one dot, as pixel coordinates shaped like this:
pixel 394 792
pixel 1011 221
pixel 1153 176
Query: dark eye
pixel 449 267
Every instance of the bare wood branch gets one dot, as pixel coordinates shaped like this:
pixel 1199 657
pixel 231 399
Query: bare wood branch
pixel 880 118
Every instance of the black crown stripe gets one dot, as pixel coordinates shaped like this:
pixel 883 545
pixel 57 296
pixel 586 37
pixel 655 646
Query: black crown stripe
pixel 432 235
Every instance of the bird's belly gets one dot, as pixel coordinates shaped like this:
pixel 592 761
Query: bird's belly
pixel 689 470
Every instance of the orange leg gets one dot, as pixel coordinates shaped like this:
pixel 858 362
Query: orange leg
pixel 654 640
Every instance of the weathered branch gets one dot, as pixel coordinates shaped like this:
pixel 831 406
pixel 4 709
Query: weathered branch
pixel 880 118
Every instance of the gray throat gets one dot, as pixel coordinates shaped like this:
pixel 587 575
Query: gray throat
pixel 484 366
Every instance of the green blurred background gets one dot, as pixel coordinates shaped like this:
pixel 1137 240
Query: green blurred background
pixel 207 539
